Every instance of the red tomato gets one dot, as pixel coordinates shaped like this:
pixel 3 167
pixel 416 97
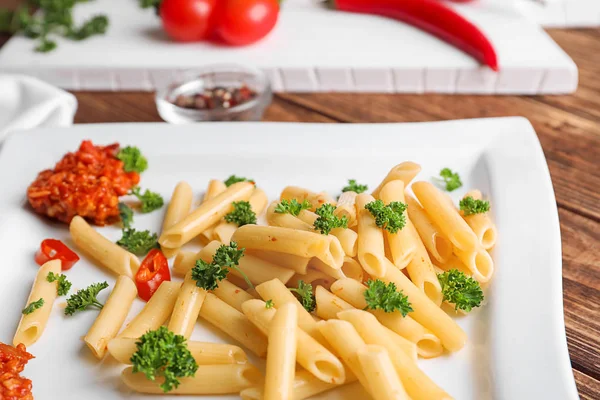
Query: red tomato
pixel 241 22
pixel 187 20
pixel 153 271
pixel 53 249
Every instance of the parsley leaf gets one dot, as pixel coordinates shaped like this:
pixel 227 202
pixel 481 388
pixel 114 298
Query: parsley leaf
pixel 85 298
pixel 242 214
pixel 354 187
pixel 235 179
pixel 451 179
pixel 380 296
pixel 459 289
pixel 292 207
pixel 63 286
pixel 470 206
pixel 150 200
pixel 327 220
pixel 390 217
pixel 34 305
pixel 133 160
pixel 305 294
pixel 208 275
pixel 269 304
pixel 161 353
pixel 126 214
pixel 138 242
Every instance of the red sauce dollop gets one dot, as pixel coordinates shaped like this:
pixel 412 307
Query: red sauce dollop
pixel 12 361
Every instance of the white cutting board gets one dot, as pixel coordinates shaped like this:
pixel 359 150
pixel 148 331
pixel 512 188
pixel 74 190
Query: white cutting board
pixel 561 13
pixel 311 49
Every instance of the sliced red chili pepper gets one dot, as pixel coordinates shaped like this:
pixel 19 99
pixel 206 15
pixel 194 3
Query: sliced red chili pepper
pixel 153 271
pixel 54 249
pixel 433 17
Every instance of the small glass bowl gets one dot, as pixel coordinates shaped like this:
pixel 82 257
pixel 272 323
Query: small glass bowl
pixel 195 81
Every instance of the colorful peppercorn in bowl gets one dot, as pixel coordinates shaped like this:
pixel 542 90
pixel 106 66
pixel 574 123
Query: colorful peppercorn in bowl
pixel 215 93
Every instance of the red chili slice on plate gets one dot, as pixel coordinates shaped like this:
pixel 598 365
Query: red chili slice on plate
pixel 54 249
pixel 153 271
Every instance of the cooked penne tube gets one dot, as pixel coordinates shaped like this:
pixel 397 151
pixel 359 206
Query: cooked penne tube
pixel 111 317
pixel 346 207
pixel 209 379
pixel 377 367
pixel 184 262
pixel 428 345
pixel 232 294
pixel 178 208
pixel 313 277
pixel 478 261
pixel 427 313
pixel 106 253
pixel 436 243
pixel 401 244
pixel 32 325
pixel 289 261
pixel 205 216
pixel 224 230
pixel 371 247
pixel 310 354
pixel 481 224
pixel 352 269
pixel 215 187
pixel 187 307
pixel 204 353
pixel 319 265
pixel 347 237
pixel 286 220
pixel 256 269
pixel 404 172
pixel 156 311
pixel 445 216
pixel 328 304
pixel 233 323
pixel 281 359
pixel 421 272
pixel 454 263
pixel 299 243
pixel 300 194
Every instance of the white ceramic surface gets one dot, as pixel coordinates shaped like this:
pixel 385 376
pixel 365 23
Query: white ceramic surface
pixel 311 49
pixel 562 13
pixel 516 348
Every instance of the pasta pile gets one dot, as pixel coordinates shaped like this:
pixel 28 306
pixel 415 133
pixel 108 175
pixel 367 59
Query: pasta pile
pixel 307 353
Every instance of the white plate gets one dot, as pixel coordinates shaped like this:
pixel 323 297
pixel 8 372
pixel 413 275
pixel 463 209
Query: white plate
pixel 517 347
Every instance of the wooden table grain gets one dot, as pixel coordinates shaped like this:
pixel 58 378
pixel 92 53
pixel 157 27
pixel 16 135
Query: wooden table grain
pixel 568 128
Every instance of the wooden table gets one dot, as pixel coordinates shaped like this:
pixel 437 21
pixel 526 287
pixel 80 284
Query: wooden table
pixel 568 127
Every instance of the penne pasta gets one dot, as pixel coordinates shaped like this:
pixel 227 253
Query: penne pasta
pixel 310 354
pixel 404 172
pixel 232 294
pixel 346 207
pixel 106 253
pixel 215 187
pixel 281 359
pixel 313 277
pixel 478 261
pixel 371 248
pixel 204 353
pixel 352 269
pixel 187 307
pixel 178 208
pixel 111 317
pixel 291 241
pixel 402 244
pixel 286 220
pixel 156 311
pixel 436 243
pixel 205 216
pixel 454 263
pixel 224 230
pixel 289 261
pixel 209 379
pixel 32 325
pixel 328 304
pixel 481 224
pixel 383 380
pixel 316 264
pixel 233 323
pixel 184 262
pixel 445 216
pixel 347 237
pixel 316 199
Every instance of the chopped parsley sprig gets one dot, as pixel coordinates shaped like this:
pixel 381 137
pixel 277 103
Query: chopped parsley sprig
pixel 390 217
pixel 269 304
pixel 138 242
pixel 461 290
pixel 450 179
pixel 208 275
pixel 242 214
pixel 305 293
pixel 235 179
pixel 85 298
pixel 327 220
pixel 161 353
pixel 355 187
pixel 126 215
pixel 150 200
pixel 62 286
pixel 292 207
pixel 34 305
pixel 470 206
pixel 133 160
pixel 380 296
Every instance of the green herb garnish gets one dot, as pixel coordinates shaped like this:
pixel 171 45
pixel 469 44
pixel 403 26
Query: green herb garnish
pixel 355 187
pixel 242 214
pixel 63 286
pixel 85 298
pixel 380 296
pixel 305 294
pixel 459 289
pixel 126 214
pixel 235 179
pixel 292 207
pixel 138 242
pixel 150 200
pixel 208 275
pixel 133 160
pixel 470 206
pixel 327 220
pixel 451 179
pixel 269 304
pixel 33 306
pixel 390 217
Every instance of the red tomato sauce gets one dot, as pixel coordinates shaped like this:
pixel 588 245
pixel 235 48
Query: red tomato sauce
pixel 87 182
pixel 12 362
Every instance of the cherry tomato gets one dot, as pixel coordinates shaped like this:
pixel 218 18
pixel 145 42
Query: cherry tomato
pixel 153 271
pixel 53 249
pixel 241 22
pixel 187 20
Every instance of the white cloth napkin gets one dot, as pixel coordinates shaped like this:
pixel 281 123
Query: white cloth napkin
pixel 27 102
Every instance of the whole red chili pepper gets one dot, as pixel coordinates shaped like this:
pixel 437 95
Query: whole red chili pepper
pixel 433 17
